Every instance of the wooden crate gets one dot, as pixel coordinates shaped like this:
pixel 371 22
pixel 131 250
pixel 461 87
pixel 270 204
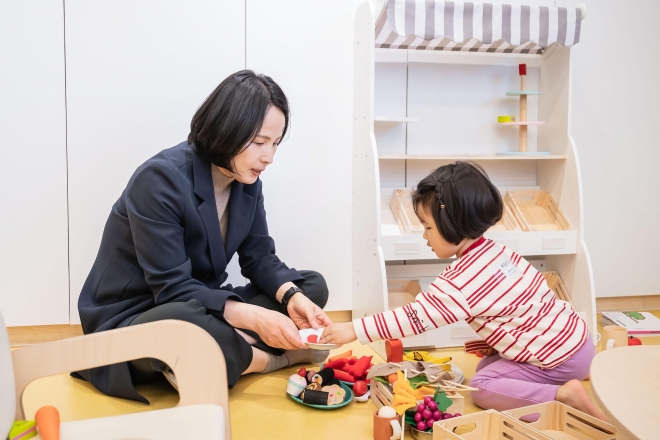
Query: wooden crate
pixel 381 395
pixel 508 221
pixel 404 213
pixel 402 292
pixel 485 425
pixel 536 210
pixel 555 284
pixel 561 422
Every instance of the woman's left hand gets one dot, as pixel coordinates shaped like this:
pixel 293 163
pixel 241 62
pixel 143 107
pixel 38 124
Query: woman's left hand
pixel 305 314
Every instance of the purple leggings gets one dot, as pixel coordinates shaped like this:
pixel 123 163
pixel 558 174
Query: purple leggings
pixel 504 384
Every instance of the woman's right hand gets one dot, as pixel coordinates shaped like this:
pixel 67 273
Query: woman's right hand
pixel 278 330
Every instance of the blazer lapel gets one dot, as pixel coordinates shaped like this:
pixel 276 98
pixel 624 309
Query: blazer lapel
pixel 241 211
pixel 203 188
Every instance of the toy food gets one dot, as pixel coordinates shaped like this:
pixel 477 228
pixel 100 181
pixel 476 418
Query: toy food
pixel 360 388
pixel 386 411
pixel 23 430
pixel 345 354
pixel 336 394
pixel 634 341
pixel 314 397
pixel 346 377
pixel 310 375
pixel 296 385
pixel 394 350
pixel 324 376
pixel 48 423
pixel 302 372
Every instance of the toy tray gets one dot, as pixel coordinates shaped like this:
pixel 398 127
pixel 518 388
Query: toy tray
pixel 402 208
pixel 561 422
pixel 536 210
pixel 485 425
pixel 347 399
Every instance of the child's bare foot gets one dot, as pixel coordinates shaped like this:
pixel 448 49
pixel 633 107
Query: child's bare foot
pixel 573 394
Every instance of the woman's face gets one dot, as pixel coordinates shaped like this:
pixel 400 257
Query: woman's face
pixel 258 154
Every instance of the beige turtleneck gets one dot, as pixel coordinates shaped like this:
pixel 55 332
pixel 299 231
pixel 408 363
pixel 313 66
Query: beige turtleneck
pixel 222 190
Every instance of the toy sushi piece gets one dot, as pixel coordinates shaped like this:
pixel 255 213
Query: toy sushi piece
pixel 313 397
pixel 296 385
pixel 23 430
pixel 48 423
pixel 325 376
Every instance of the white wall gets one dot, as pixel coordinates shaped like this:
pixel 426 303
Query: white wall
pixel 306 46
pixel 615 125
pixel 33 220
pixel 136 73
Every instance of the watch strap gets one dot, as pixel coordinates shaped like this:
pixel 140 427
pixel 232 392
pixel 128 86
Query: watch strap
pixel 288 294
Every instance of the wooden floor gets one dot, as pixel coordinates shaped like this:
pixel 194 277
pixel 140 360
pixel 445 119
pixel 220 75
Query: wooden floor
pixel 257 400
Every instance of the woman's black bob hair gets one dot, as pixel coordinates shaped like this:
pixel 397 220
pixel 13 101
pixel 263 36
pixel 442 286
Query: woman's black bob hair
pixel 233 114
pixel 462 200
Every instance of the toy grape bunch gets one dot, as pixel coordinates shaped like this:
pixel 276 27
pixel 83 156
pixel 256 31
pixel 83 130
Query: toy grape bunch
pixel 430 411
pixel 522 123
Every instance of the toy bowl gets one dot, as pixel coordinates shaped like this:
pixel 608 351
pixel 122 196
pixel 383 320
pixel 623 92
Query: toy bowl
pixel 347 399
pixel 421 435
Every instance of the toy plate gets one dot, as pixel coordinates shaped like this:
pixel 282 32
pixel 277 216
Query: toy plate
pixel 347 399
pixel 350 384
pixel 304 333
pixel 459 376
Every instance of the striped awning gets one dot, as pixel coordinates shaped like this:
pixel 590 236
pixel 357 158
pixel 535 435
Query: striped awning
pixel 475 27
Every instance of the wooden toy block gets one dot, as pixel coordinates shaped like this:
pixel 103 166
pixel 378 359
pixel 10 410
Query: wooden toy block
pixel 485 425
pixel 561 422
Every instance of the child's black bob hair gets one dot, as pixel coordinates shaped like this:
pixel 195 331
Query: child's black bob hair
pixel 232 115
pixel 463 201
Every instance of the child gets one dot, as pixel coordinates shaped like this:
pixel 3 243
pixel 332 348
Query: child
pixel 541 349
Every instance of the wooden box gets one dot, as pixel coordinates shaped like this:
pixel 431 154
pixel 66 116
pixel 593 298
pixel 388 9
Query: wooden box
pixel 561 422
pixel 555 284
pixel 381 395
pixel 404 213
pixel 536 210
pixel 402 292
pixel 508 221
pixel 485 425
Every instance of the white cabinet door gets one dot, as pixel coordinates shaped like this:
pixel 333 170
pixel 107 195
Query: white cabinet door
pixel 33 216
pixel 136 73
pixel 307 48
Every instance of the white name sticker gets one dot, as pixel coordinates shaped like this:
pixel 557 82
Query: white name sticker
pixel 508 268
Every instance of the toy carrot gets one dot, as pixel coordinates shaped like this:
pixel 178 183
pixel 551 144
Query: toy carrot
pixel 48 423
pixel 352 360
pixel 345 368
pixel 346 354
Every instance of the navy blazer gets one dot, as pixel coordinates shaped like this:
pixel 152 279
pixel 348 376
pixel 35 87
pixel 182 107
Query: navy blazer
pixel 162 244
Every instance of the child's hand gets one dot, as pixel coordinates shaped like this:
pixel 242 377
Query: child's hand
pixel 491 351
pixel 338 334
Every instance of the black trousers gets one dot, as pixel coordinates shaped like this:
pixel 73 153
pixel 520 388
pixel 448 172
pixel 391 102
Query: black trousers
pixel 237 352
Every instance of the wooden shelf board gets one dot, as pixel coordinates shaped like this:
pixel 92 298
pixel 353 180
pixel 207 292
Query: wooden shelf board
pixel 523 92
pixel 395 119
pixel 523 123
pixel 469 157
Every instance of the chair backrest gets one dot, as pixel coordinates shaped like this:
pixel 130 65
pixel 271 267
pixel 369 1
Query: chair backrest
pixel 7 386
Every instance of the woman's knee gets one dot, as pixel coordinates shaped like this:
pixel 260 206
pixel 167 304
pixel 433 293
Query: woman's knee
pixel 315 287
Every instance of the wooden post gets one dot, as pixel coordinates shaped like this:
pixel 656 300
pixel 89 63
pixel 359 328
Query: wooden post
pixel 522 136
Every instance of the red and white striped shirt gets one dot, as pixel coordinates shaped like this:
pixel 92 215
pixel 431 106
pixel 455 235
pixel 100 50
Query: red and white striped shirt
pixel 503 298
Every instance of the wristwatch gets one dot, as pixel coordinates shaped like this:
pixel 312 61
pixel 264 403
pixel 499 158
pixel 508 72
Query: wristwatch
pixel 288 294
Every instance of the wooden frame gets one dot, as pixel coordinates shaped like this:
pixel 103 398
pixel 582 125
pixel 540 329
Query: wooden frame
pixel 194 356
pixel 402 292
pixel 555 284
pixel 489 425
pixel 536 211
pixel 555 416
pixel 404 213
pixel 508 221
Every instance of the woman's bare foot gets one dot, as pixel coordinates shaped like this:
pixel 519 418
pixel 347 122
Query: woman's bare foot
pixel 573 394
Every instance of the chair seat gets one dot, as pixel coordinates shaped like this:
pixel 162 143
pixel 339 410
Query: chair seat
pixel 186 422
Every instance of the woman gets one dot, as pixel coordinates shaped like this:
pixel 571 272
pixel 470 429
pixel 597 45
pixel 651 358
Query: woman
pixel 171 234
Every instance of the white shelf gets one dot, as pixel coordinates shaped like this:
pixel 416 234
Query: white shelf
pixel 476 157
pixel 398 246
pixel 395 119
pixel 522 123
pixel 478 58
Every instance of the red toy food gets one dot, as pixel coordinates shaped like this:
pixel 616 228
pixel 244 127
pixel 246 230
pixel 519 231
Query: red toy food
pixel 313 338
pixel 341 375
pixel 634 341
pixel 394 350
pixel 360 388
pixel 346 354
pixel 361 366
pixel 302 372
pixel 337 364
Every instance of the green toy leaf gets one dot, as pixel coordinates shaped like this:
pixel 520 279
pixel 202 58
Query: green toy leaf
pixel 382 380
pixel 443 401
pixel 435 395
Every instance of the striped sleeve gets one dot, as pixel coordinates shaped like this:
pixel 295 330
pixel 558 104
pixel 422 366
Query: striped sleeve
pixel 443 304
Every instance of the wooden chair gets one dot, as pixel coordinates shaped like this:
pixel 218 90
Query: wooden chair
pixel 193 355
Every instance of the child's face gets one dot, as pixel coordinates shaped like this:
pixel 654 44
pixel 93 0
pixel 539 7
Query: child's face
pixel 434 240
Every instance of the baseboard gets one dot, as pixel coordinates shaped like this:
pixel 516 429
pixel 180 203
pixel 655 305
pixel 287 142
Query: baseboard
pixel 39 334
pixel 628 303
